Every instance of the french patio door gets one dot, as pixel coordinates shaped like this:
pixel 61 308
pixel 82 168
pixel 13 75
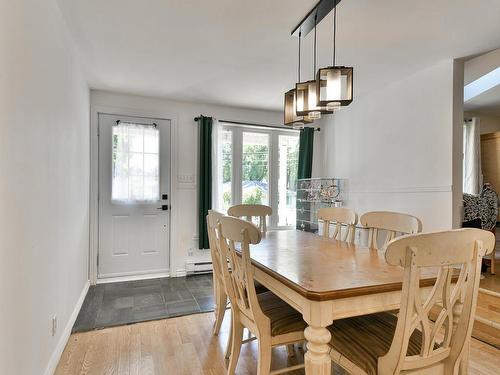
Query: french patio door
pixel 256 165
pixel 134 191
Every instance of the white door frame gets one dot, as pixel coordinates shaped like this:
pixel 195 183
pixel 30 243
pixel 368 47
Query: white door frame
pixel 94 179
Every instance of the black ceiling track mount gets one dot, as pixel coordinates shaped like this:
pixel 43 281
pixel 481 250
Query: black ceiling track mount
pixel 320 10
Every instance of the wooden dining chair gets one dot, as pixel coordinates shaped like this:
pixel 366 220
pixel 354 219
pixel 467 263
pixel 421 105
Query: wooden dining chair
pixel 393 223
pixel 338 216
pixel 251 211
pixel 213 219
pixel 220 293
pixel 272 321
pixel 417 342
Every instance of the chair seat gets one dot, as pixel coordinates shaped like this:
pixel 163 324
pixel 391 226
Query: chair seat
pixel 284 318
pixel 259 288
pixel 362 340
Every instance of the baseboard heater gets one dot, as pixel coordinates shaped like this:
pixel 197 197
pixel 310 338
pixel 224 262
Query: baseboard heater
pixel 197 268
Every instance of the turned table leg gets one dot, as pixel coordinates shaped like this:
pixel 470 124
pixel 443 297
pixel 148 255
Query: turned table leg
pixel 317 357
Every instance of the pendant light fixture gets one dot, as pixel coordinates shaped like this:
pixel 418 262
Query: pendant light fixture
pixel 306 103
pixel 291 117
pixel 334 86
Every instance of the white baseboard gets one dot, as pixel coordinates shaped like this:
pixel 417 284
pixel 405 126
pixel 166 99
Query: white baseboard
pixel 63 340
pixel 181 273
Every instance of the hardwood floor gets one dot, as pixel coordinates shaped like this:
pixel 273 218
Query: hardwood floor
pixel 185 346
pixel 492 282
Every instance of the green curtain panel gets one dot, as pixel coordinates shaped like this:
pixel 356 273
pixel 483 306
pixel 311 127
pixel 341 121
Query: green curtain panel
pixel 306 144
pixel 205 178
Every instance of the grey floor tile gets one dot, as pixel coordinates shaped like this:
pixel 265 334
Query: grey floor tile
pixel 143 313
pixel 121 303
pixel 149 299
pixel 88 314
pixel 206 303
pixel 177 295
pixel 182 308
pixel 113 317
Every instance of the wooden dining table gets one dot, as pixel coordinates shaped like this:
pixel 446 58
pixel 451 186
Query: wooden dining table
pixel 326 280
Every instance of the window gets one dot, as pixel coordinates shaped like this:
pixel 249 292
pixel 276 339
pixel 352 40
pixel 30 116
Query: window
pixel 287 182
pixel 258 166
pixel 135 163
pixel 255 164
pixel 227 171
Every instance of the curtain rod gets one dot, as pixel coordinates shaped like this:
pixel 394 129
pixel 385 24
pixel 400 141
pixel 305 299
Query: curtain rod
pixel 253 124
pixel 136 123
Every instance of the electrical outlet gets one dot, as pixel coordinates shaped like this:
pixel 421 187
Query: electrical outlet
pixel 54 325
pixel 190 252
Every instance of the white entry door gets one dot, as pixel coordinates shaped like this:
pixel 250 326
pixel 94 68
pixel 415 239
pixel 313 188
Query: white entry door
pixel 134 192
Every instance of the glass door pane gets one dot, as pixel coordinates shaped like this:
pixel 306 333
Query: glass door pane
pixel 135 163
pixel 225 172
pixel 255 168
pixel 287 179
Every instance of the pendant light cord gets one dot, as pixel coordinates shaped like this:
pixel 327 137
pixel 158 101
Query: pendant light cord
pixel 334 31
pixel 315 24
pixel 300 37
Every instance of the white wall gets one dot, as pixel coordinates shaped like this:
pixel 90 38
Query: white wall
pixel 44 185
pixel 184 230
pixel 395 146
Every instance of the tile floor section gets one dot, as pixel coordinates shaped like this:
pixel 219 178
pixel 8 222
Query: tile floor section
pixel 108 305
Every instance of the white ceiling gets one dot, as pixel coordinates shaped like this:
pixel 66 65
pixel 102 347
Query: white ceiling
pixel 487 102
pixel 240 53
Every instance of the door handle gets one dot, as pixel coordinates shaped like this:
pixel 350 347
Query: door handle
pixel 164 207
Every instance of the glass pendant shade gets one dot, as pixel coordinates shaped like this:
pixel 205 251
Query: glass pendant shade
pixel 291 117
pixel 306 100
pixel 334 87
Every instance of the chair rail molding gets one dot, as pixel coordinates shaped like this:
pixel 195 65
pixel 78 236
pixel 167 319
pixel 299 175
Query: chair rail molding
pixel 405 189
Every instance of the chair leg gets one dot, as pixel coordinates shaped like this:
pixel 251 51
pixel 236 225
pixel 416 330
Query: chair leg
pixel 220 308
pixel 264 365
pixel 290 349
pixel 237 335
pixel 492 266
pixel 229 338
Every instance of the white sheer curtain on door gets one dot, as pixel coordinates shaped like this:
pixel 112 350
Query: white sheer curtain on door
pixel 472 174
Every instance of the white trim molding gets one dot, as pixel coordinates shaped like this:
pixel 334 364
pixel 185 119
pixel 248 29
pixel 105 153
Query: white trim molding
pixel 181 273
pixel 407 189
pixel 66 333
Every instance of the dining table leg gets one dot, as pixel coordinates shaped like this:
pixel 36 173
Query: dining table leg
pixel 317 358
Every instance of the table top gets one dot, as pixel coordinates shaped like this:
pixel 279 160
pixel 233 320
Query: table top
pixel 325 269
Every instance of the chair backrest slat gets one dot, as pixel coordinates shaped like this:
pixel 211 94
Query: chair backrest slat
pixel 213 219
pixel 340 216
pixel 393 223
pixel 249 211
pixel 453 299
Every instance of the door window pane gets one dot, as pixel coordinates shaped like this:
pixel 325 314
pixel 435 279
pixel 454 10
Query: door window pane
pixel 287 178
pixel 135 163
pixel 255 168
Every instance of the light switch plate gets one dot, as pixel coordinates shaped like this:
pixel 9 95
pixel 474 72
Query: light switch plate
pixel 185 178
